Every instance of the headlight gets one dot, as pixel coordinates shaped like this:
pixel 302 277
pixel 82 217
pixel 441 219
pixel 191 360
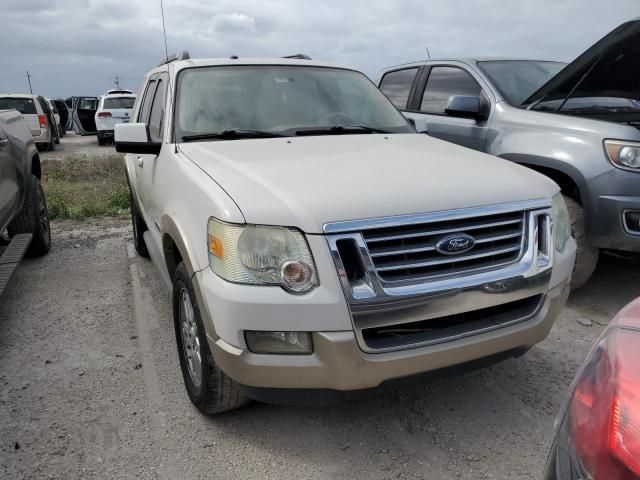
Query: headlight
pixel 561 222
pixel 623 154
pixel 261 255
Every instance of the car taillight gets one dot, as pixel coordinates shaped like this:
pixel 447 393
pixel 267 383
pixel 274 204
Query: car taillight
pixel 603 416
pixel 42 119
pixel 104 115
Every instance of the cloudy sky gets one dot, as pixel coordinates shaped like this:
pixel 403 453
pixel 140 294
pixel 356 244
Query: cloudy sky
pixel 77 47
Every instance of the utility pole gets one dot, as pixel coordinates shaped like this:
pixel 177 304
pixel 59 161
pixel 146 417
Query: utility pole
pixel 117 82
pixel 29 80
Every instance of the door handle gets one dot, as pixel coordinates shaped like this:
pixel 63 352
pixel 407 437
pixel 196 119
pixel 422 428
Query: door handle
pixel 140 161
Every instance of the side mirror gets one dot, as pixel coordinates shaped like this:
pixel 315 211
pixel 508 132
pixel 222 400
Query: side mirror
pixel 465 106
pixel 134 138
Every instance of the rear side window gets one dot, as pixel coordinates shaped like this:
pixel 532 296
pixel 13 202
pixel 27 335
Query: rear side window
pixel 157 112
pixel 88 104
pixel 397 86
pixel 143 116
pixel 119 102
pixel 444 82
pixel 26 106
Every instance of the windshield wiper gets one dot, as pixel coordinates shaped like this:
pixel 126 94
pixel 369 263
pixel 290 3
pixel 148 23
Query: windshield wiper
pixel 340 130
pixel 231 134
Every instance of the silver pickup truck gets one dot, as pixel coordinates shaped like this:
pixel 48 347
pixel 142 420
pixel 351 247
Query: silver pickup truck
pixel 23 208
pixel 579 124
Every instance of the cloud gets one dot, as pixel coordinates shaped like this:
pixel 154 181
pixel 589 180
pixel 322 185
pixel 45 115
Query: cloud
pixel 78 46
pixel 234 23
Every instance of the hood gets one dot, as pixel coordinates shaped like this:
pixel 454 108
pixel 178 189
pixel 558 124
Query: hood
pixel 610 68
pixel 309 181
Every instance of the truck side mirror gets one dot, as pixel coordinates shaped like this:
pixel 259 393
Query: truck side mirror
pixel 465 106
pixel 135 138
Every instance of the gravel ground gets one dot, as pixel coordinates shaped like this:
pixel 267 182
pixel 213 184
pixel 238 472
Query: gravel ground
pixel 90 387
pixel 72 144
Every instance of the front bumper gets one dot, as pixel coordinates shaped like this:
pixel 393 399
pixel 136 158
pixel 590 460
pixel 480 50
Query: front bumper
pixel 610 196
pixel 338 362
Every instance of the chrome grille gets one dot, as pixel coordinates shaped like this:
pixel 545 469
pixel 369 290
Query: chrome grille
pixel 408 252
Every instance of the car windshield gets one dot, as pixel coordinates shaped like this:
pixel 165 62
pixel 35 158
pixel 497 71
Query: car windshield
pixel 25 106
pixel 518 79
pixel 119 102
pixel 281 100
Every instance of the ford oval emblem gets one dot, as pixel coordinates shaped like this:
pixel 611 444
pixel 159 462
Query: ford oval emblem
pixel 455 244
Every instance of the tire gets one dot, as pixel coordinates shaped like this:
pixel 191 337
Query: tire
pixel 51 146
pixel 139 227
pixel 34 219
pixel 586 254
pixel 208 387
pixel 56 139
pixel 101 141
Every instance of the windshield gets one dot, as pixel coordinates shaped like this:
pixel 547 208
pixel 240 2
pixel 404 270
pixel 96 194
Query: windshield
pixel 119 102
pixel 280 100
pixel 25 106
pixel 518 79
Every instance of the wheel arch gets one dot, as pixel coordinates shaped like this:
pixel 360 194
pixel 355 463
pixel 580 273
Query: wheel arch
pixel 36 166
pixel 175 248
pixel 568 178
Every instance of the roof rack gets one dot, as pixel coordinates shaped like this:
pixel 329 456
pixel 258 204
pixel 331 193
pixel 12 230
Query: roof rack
pixel 299 56
pixel 181 55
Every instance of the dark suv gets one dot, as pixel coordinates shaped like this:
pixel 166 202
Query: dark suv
pixel 23 208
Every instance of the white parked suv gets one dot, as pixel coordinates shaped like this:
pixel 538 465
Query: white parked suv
pixel 315 244
pixel 36 111
pixel 113 108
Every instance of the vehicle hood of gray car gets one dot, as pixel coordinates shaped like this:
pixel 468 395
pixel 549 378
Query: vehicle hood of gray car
pixel 307 182
pixel 610 68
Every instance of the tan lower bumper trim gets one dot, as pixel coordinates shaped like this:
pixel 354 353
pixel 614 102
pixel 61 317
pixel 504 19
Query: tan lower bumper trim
pixel 337 362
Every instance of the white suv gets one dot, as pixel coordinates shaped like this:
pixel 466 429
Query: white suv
pixel 316 244
pixel 113 108
pixel 36 111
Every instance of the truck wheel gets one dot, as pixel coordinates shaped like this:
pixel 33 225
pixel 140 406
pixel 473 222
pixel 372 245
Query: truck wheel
pixel 139 227
pixel 51 146
pixel 209 388
pixel 34 219
pixel 586 255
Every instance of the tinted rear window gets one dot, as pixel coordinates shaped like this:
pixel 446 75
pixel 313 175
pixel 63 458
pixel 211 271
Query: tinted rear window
pixel 88 104
pixel 26 106
pixel 119 102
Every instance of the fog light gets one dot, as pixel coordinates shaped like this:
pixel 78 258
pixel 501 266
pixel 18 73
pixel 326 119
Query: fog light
pixel 298 343
pixel 632 221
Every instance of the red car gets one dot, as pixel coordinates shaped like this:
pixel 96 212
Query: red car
pixel 598 430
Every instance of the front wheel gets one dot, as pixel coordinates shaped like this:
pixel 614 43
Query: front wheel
pixel 208 387
pixel 586 254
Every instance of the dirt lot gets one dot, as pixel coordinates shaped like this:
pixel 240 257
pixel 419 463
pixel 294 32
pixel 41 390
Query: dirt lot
pixel 72 144
pixel 90 387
